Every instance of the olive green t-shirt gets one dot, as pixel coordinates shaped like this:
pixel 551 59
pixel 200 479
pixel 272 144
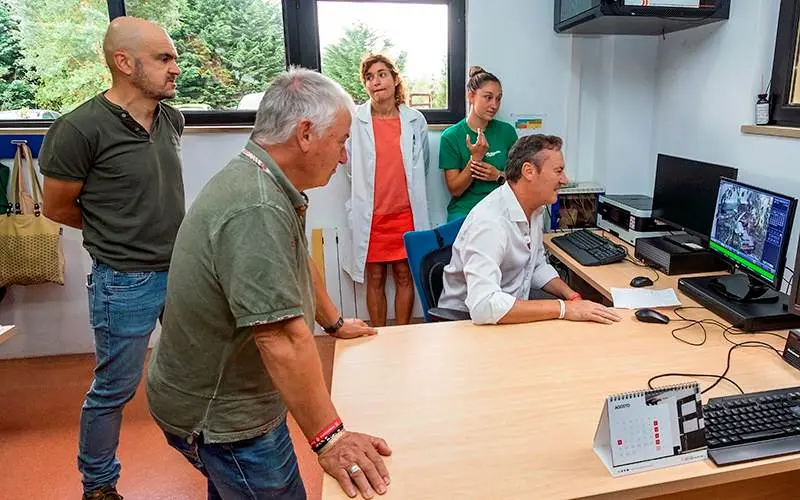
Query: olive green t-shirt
pixel 132 199
pixel 240 260
pixel 454 155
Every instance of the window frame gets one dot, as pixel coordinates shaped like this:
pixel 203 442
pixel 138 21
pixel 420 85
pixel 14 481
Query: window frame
pixel 302 48
pixel 786 40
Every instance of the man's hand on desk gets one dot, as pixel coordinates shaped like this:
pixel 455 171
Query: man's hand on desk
pixel 355 461
pixel 354 328
pixel 586 310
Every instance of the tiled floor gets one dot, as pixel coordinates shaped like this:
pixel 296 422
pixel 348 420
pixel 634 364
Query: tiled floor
pixel 40 402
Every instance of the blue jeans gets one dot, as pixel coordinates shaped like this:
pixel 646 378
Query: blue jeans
pixel 123 309
pixel 264 467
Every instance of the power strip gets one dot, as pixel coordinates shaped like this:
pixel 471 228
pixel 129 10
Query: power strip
pixel 791 352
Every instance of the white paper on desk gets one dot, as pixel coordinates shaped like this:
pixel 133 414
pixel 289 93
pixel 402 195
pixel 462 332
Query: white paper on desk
pixel 637 298
pixel 5 328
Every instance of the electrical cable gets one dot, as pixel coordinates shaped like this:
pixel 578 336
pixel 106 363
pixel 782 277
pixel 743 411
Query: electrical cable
pixel 640 264
pixel 727 330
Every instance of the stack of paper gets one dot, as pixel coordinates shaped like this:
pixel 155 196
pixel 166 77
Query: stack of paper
pixel 638 298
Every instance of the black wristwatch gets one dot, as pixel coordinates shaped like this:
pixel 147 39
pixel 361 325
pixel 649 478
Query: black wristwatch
pixel 335 328
pixel 501 178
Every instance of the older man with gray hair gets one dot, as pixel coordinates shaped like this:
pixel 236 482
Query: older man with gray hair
pixel 236 349
pixel 499 262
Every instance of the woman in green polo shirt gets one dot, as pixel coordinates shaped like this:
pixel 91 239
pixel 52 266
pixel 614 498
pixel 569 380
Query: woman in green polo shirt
pixel 473 152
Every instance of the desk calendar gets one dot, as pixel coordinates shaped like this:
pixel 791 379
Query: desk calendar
pixel 651 429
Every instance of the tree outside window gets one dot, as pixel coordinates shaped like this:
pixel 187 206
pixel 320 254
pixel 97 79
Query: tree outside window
pixel 51 54
pixel 414 35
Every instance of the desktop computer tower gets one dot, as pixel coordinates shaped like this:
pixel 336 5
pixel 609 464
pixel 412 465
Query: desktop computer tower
pixel 672 258
pixel 747 316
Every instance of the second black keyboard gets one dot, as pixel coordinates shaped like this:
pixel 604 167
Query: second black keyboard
pixel 753 426
pixel 590 249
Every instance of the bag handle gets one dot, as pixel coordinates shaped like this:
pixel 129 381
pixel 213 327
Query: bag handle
pixel 23 150
pixel 36 186
pixel 14 207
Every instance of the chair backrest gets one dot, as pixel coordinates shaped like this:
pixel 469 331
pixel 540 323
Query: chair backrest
pixel 432 271
pixel 428 252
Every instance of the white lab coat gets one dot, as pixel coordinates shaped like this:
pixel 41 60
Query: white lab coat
pixel 360 171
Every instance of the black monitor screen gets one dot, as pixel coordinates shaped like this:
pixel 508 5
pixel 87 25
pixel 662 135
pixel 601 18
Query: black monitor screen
pixel 752 229
pixel 685 193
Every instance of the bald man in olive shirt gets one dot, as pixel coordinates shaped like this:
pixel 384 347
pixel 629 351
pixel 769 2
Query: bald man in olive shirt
pixel 112 168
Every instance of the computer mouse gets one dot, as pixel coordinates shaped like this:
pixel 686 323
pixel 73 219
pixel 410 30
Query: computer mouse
pixel 651 316
pixel 641 281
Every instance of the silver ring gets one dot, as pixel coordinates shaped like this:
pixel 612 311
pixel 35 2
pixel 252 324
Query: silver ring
pixel 354 469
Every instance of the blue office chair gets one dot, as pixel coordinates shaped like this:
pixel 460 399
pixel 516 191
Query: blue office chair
pixel 428 253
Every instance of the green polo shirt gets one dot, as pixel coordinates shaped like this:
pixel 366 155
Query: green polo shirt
pixel 132 199
pixel 454 155
pixel 240 260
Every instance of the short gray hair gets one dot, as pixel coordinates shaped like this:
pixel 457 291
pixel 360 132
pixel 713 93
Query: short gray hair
pixel 295 95
pixel 526 149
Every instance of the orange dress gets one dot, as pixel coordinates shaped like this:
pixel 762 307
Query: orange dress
pixel 391 215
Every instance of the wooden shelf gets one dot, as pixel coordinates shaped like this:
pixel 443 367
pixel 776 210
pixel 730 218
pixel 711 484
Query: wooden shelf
pixel 772 130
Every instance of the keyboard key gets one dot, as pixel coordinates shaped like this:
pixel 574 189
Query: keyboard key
pixel 753 436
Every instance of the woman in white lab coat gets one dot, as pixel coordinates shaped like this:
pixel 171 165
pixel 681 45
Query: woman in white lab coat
pixel 387 166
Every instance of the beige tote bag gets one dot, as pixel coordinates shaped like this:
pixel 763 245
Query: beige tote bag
pixel 30 243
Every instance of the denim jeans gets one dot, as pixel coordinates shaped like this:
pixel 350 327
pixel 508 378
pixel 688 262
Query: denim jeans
pixel 123 309
pixel 264 467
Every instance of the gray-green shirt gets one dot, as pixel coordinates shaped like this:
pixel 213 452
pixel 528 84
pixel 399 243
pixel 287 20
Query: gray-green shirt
pixel 132 199
pixel 240 260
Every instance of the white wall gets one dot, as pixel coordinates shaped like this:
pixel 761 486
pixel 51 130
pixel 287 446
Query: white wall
pixel 53 319
pixel 708 79
pixel 514 39
pixel 615 118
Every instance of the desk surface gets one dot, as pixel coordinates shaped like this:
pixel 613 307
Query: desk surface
pixel 511 411
pixel 618 275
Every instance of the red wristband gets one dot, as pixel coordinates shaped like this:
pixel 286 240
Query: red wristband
pixel 575 296
pixel 326 432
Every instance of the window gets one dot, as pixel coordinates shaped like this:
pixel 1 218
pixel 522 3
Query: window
pixel 50 56
pixel 229 50
pixel 426 37
pixel 348 30
pixel 785 87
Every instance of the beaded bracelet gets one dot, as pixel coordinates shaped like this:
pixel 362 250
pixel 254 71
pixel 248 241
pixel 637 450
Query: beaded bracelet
pixel 325 434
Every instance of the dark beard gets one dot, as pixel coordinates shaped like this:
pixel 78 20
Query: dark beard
pixel 140 81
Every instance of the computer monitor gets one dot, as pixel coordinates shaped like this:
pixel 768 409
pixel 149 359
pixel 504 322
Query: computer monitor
pixel 751 230
pixel 685 193
pixel 794 303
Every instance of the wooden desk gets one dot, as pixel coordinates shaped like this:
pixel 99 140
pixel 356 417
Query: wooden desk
pixel 619 275
pixel 6 332
pixel 509 412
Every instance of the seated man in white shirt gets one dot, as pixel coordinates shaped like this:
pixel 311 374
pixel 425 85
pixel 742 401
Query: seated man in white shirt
pixel 498 257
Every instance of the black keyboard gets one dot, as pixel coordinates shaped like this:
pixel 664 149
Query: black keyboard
pixel 590 249
pixel 753 426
